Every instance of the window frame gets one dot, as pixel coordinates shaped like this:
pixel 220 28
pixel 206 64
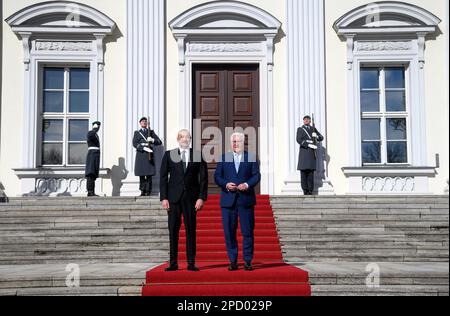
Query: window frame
pixel 65 116
pixel 383 115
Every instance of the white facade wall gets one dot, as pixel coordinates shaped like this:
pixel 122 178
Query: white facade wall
pixel 119 101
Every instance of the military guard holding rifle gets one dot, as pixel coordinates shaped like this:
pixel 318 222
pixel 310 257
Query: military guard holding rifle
pixel 308 137
pixel 145 140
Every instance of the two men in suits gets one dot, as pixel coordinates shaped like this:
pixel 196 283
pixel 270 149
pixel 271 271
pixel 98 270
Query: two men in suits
pixel 308 137
pixel 237 175
pixel 145 140
pixel 184 189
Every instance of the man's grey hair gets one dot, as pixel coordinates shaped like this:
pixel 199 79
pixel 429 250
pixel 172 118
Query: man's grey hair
pixel 184 131
pixel 240 136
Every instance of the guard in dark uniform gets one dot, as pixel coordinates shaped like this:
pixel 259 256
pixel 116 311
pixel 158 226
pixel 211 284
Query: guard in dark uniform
pixel 93 158
pixel 308 137
pixel 145 140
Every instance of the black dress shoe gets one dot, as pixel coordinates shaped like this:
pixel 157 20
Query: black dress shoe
pixel 143 194
pixel 171 269
pixel 92 195
pixel 193 268
pixel 233 267
pixel 248 267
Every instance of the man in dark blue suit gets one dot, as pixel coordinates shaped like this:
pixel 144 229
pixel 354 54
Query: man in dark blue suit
pixel 238 174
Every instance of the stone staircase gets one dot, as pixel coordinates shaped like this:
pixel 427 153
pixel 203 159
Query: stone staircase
pixel 115 240
pixel 336 238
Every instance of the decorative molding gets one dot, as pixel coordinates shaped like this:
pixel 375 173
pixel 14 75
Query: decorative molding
pixel 305 30
pixel 63 11
pixel 225 10
pixel 56 182
pixel 367 46
pixel 224 47
pixel 64 46
pixel 369 18
pixel 389 180
pixel 146 58
pixel 60 186
pixel 260 27
pixel 389 185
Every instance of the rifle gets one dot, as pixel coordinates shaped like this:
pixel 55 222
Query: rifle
pixel 315 142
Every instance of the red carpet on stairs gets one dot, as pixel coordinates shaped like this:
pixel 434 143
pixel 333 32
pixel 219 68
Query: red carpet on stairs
pixel 271 277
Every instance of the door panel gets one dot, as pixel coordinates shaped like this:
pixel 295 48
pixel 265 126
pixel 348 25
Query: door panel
pixel 225 96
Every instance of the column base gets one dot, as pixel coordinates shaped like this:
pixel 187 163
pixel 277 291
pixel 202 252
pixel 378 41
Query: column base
pixel 293 186
pixel 130 187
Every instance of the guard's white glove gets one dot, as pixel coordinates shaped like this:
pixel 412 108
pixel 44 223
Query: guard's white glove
pixel 314 135
pixel 151 140
pixel 310 142
pixel 148 150
pixel 313 146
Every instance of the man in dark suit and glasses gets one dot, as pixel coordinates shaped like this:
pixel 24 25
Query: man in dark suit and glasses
pixel 184 189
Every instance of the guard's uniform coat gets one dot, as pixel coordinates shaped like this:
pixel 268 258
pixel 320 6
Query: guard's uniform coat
pixel 307 158
pixel 143 166
pixel 93 156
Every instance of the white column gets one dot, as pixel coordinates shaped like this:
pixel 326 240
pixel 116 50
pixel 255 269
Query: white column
pixel 447 35
pixel 146 27
pixel 306 82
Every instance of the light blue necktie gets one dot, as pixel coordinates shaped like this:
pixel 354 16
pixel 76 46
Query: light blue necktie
pixel 236 162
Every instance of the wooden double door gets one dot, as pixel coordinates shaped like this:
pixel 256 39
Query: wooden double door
pixel 225 96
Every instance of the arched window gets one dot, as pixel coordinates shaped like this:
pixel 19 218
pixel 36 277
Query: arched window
pixel 386 61
pixel 63 54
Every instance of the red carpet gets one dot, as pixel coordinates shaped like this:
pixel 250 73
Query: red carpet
pixel 271 277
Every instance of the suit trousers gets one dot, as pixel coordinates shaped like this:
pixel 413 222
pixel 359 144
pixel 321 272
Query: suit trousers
pixel 246 216
pixel 186 208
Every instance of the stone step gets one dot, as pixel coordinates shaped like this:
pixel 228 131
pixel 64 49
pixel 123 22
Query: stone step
pixel 82 291
pixel 432 199
pixel 362 258
pixel 391 290
pixel 359 253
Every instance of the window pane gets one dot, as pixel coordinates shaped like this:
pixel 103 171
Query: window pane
pixel 370 129
pixel 79 78
pixel 52 154
pixel 52 130
pixel 395 78
pixel 370 101
pixel 77 154
pixel 396 129
pixel 78 130
pixel 371 152
pixel 397 152
pixel 79 102
pixel 370 78
pixel 54 78
pixel 53 102
pixel 395 101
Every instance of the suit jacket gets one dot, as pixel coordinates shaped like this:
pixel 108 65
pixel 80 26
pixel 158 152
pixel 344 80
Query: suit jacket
pixel 307 157
pixel 174 182
pixel 248 173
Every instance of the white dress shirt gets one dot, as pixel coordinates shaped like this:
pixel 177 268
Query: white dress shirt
pixel 188 154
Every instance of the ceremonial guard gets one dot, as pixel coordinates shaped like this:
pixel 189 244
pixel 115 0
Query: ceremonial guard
pixel 93 159
pixel 308 138
pixel 145 140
